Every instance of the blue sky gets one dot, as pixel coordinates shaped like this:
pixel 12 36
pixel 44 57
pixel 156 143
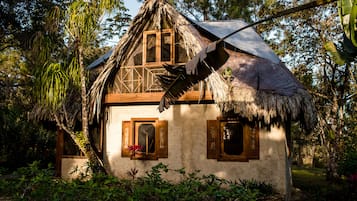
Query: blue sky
pixel 133 6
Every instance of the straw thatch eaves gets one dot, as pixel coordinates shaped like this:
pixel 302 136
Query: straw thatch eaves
pixel 253 82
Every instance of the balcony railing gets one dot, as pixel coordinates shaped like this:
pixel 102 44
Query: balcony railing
pixel 138 79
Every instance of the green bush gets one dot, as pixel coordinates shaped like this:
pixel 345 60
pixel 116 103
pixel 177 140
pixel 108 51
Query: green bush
pixel 33 183
pixel 261 187
pixel 348 164
pixel 194 187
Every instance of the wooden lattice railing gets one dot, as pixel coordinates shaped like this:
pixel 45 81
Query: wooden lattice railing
pixel 138 79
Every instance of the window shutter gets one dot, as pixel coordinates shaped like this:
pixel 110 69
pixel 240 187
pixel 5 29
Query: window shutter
pixel 212 138
pixel 127 139
pixel 162 137
pixel 252 133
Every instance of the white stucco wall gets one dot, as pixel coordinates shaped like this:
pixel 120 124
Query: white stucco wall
pixel 74 167
pixel 187 146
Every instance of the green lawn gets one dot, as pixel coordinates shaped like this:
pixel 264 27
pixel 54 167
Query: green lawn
pixel 312 182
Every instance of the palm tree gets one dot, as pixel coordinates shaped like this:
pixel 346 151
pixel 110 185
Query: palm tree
pixel 82 23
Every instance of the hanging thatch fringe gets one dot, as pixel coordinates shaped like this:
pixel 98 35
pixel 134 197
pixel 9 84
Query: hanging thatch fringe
pixel 268 107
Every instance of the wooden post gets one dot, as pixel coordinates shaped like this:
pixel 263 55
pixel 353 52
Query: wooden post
pixel 59 152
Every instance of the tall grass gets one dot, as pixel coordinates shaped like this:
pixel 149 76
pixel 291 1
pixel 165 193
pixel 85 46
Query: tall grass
pixel 312 181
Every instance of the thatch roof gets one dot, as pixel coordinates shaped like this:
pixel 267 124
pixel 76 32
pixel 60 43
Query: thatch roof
pixel 258 87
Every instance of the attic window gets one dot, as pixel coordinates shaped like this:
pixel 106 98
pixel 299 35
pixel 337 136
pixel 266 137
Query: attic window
pixel 144 138
pixel 180 51
pixel 151 48
pixel 166 46
pixel 158 46
pixel 232 140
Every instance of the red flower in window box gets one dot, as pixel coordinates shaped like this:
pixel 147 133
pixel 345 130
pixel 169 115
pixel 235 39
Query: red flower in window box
pixel 135 149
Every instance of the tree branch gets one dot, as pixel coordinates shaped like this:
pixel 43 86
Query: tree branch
pixel 62 126
pixel 309 5
pixel 320 95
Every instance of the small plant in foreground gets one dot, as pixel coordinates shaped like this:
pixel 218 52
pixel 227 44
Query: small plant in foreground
pixel 133 172
pixel 262 187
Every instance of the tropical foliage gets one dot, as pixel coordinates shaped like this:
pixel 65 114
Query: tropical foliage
pixel 82 24
pixel 31 183
pixel 347 10
pixel 39 72
pixel 21 140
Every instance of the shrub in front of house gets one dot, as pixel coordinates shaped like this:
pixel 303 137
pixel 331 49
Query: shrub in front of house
pixel 348 163
pixel 32 183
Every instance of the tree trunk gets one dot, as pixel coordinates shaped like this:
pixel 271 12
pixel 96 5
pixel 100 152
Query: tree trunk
pixel 95 162
pixel 333 148
pixel 331 173
pixel 300 161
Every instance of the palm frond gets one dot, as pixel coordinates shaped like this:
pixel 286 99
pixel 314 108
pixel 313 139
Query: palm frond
pixel 74 71
pixel 199 68
pixel 54 84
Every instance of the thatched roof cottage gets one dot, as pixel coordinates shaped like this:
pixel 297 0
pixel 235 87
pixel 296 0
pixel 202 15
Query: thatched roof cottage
pixel 232 121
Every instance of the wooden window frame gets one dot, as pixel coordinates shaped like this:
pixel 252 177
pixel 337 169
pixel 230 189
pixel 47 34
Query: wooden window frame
pixel 130 138
pixel 158 34
pixel 215 143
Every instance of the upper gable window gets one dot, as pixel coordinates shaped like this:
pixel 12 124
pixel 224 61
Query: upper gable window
pixel 180 51
pixel 158 46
